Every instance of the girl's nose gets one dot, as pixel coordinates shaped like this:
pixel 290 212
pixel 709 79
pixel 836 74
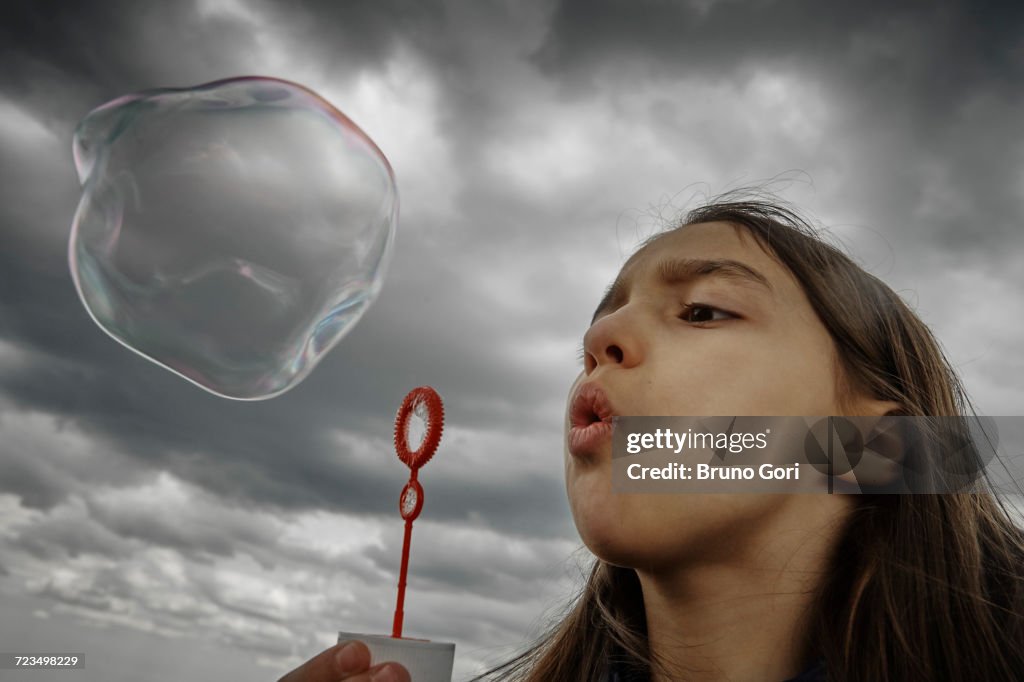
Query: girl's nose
pixel 612 340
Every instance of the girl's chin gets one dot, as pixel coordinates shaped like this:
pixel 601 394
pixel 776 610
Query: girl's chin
pixel 611 540
pixel 625 554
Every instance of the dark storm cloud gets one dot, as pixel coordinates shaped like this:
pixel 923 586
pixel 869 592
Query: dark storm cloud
pixel 275 452
pixel 473 53
pixel 57 539
pixel 468 560
pixel 926 55
pixel 931 92
pixel 63 56
pixel 360 30
pixel 241 451
pixel 283 460
pixel 246 452
pixel 105 49
pixel 69 57
pixel 33 480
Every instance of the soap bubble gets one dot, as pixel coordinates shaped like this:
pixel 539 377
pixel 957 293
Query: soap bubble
pixel 232 232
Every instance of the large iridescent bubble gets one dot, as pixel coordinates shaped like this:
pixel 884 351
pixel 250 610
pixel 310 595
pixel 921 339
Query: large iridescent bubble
pixel 232 232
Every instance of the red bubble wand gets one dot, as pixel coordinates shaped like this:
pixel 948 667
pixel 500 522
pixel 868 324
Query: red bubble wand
pixel 425 403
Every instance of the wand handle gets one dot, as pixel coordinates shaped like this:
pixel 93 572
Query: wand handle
pixel 409 504
pixel 396 629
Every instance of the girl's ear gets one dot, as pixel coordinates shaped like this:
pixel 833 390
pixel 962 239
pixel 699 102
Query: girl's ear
pixel 863 406
pixel 881 460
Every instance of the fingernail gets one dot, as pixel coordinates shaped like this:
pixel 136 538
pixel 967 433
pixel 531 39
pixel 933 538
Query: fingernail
pixel 385 674
pixel 347 659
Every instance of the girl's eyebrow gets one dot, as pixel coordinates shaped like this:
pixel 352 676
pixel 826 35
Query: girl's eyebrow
pixel 681 270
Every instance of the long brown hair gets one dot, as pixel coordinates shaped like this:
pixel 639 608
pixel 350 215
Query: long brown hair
pixel 921 587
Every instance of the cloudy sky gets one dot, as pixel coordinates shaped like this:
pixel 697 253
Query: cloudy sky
pixel 170 534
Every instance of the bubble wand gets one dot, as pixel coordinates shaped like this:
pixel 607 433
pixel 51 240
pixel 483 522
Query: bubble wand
pixel 425 660
pixel 425 403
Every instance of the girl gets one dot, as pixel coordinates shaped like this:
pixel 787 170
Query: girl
pixel 743 310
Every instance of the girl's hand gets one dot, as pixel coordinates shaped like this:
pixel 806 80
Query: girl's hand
pixel 346 662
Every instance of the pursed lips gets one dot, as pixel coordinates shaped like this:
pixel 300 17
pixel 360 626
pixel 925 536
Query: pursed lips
pixel 590 419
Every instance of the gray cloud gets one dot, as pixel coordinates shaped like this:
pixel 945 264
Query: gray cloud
pixel 929 93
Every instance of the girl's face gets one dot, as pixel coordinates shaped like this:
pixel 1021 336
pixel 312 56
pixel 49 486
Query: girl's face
pixel 701 322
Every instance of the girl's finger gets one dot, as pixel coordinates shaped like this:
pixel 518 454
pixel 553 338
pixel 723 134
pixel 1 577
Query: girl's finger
pixel 340 662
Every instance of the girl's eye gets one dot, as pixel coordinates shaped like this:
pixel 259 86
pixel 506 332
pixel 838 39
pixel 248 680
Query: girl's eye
pixel 698 312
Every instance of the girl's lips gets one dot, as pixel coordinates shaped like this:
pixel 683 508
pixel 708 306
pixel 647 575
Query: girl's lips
pixel 590 419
